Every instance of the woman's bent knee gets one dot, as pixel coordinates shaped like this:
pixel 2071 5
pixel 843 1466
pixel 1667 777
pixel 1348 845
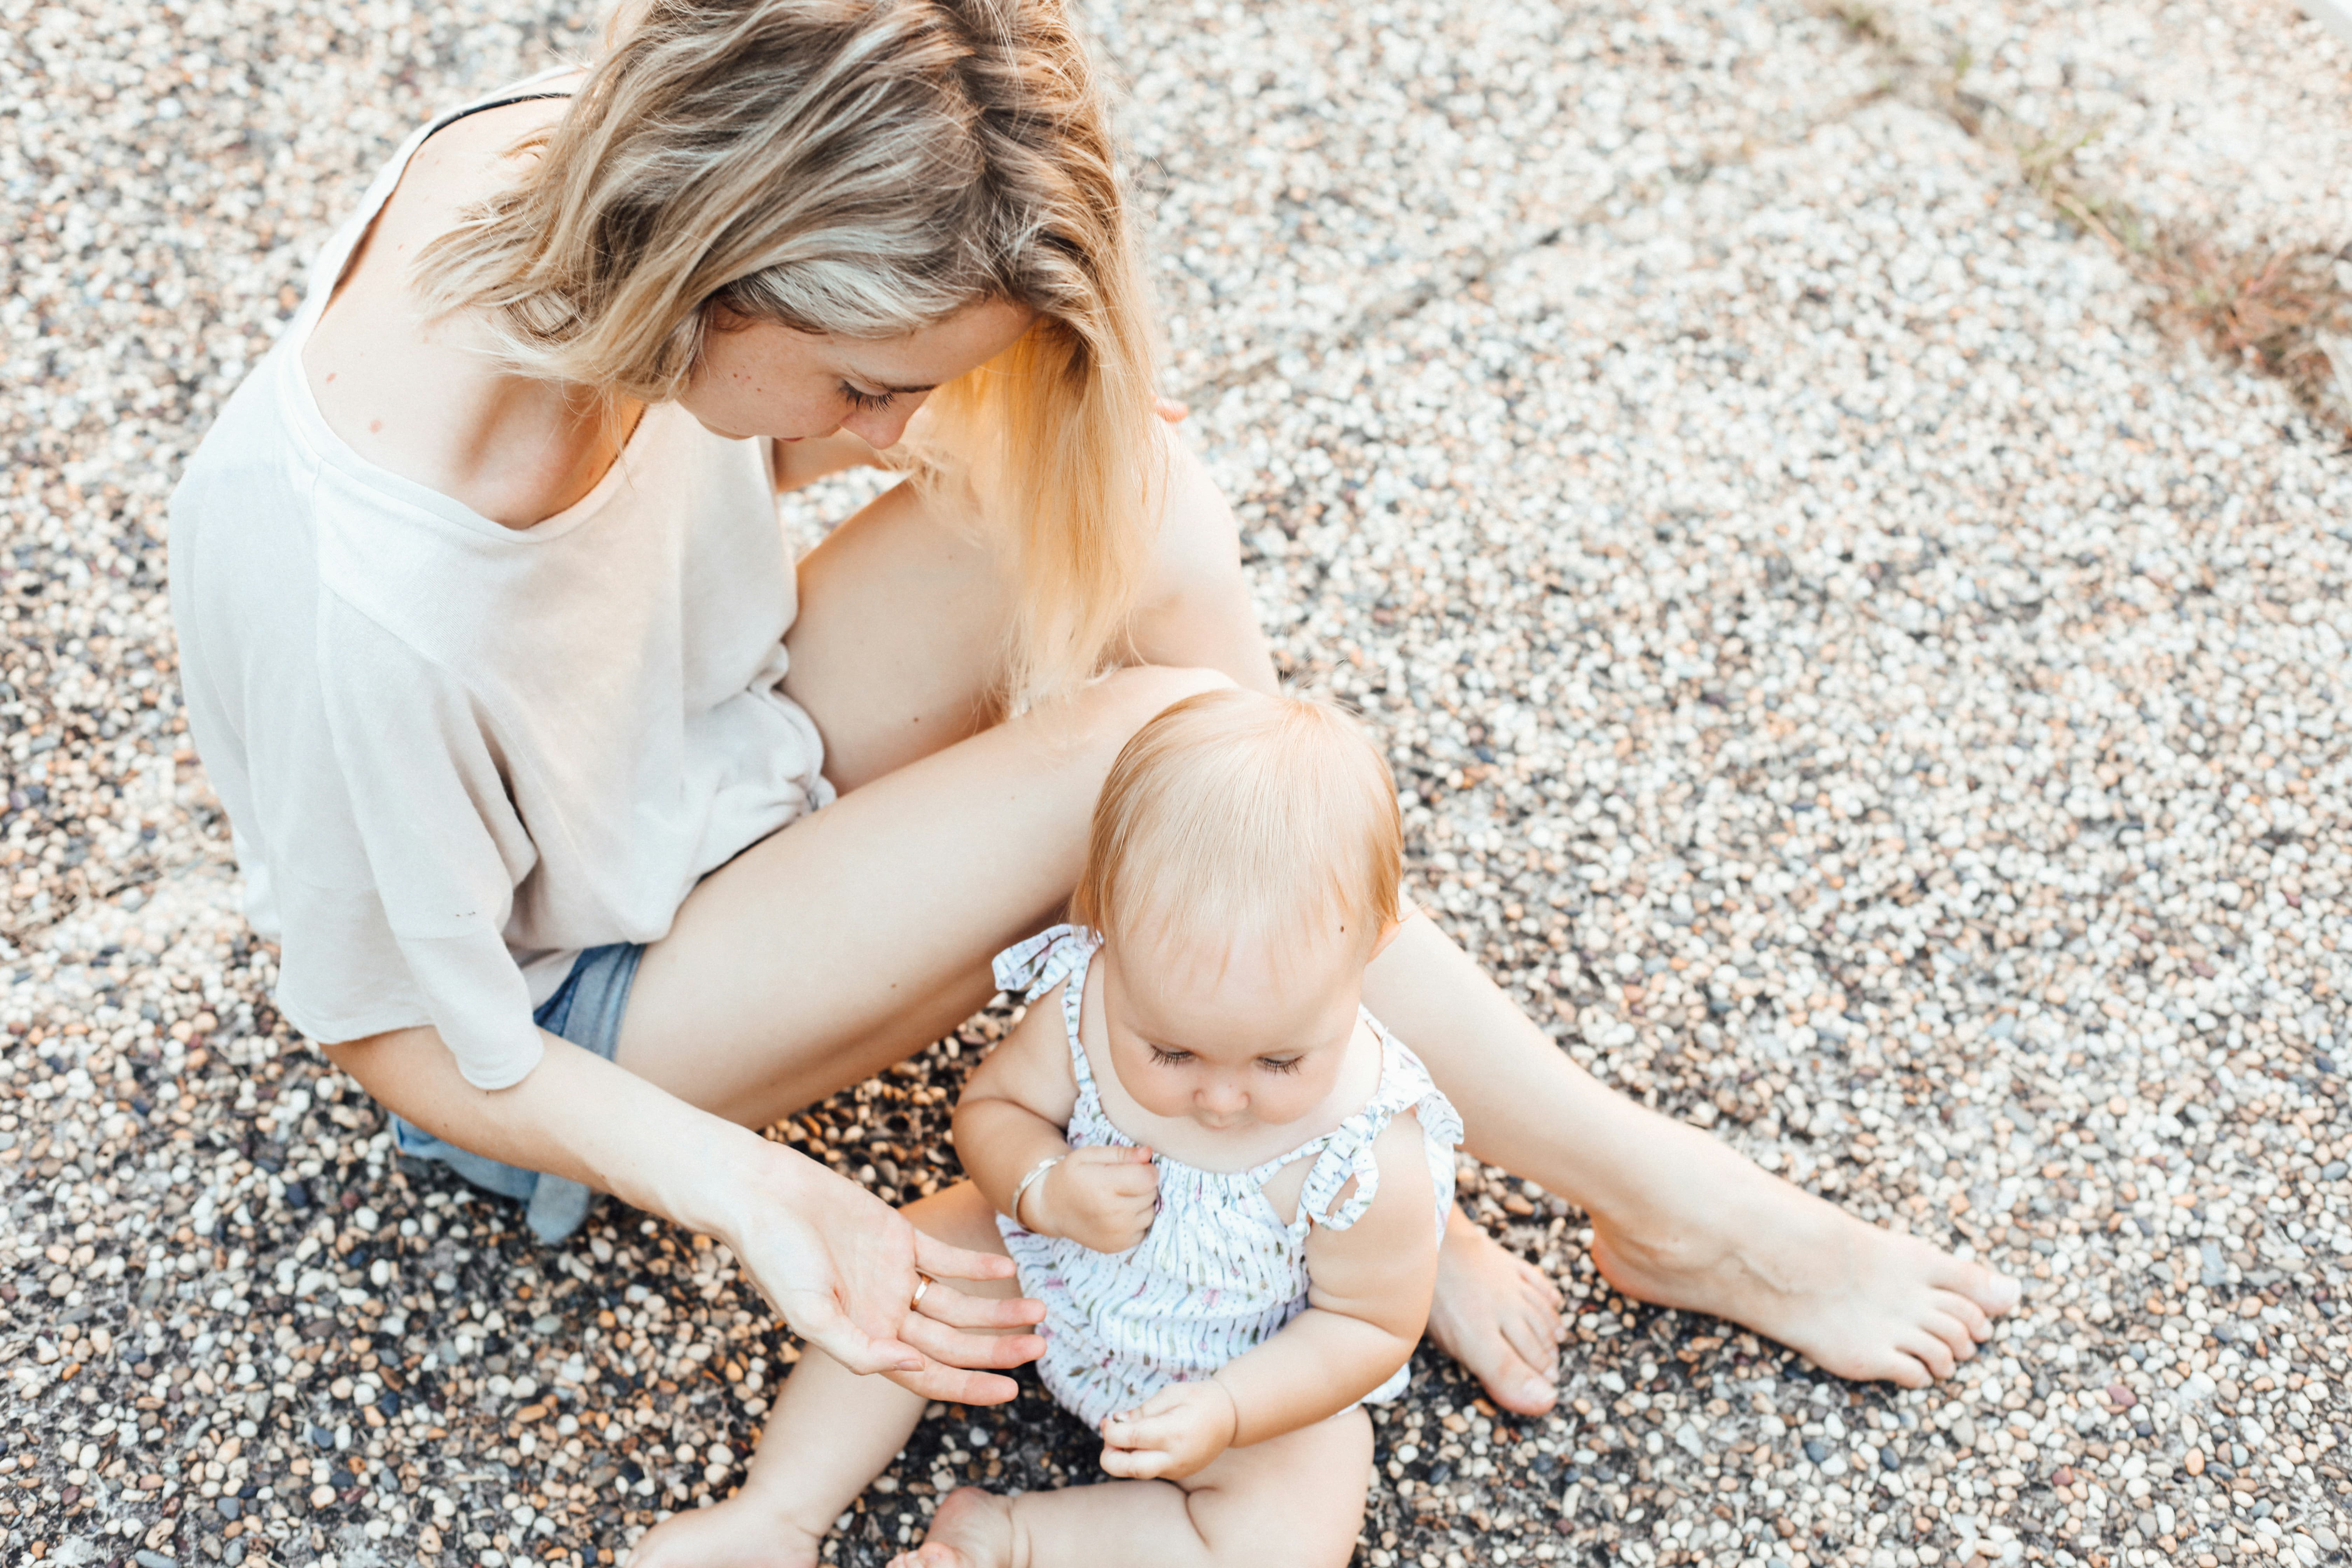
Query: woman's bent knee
pixel 1140 692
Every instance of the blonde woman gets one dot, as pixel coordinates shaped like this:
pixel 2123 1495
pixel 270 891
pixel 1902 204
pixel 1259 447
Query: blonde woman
pixel 596 832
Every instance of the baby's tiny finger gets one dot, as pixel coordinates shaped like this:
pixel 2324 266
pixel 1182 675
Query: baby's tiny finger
pixel 1133 1463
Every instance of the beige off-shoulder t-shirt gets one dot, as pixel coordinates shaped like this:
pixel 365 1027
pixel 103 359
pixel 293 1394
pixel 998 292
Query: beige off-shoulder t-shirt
pixel 454 753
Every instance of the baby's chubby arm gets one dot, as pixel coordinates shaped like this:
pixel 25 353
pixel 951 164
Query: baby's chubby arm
pixel 1368 1300
pixel 1014 1110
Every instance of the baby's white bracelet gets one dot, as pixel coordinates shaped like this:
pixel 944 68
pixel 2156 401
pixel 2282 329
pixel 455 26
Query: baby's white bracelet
pixel 1036 1174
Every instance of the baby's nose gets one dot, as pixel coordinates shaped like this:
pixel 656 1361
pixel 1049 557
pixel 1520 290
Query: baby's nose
pixel 1224 1097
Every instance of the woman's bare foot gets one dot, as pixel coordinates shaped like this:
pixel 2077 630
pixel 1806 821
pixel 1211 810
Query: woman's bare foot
pixel 744 1532
pixel 1721 1235
pixel 1498 1316
pixel 973 1529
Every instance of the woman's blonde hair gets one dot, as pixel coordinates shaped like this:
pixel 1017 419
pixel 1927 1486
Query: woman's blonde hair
pixel 1237 814
pixel 865 168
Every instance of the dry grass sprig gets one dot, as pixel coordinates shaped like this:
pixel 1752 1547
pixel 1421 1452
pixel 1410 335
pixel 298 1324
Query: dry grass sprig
pixel 2285 312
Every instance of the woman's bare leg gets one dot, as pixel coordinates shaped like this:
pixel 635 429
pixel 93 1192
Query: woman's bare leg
pixel 1678 1218
pixel 1294 1499
pixel 855 939
pixel 831 1433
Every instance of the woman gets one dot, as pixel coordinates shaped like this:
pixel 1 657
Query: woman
pixel 523 717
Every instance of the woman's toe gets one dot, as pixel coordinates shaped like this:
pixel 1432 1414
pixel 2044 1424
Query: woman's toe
pixel 1993 1293
pixel 1958 1324
pixel 1964 1309
pixel 1930 1349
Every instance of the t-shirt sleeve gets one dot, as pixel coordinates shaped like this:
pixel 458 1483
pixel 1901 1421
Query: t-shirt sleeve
pixel 443 852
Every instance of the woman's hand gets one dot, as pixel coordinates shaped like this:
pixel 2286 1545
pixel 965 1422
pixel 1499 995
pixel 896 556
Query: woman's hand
pixel 1172 1434
pixel 843 1267
pixel 1103 1197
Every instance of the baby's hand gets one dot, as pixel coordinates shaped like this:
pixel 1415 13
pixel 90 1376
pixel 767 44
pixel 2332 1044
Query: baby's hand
pixel 1172 1434
pixel 1102 1196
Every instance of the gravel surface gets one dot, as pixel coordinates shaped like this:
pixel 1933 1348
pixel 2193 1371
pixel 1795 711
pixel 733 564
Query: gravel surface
pixel 1861 684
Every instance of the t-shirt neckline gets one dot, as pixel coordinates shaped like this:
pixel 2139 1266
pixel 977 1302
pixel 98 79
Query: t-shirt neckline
pixel 322 438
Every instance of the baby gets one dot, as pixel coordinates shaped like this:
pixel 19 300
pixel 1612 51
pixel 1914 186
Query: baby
pixel 1222 1177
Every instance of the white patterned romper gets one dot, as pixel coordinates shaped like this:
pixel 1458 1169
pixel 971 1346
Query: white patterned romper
pixel 1219 1271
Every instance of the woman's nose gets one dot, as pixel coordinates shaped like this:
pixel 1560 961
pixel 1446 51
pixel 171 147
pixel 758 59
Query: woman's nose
pixel 877 430
pixel 881 428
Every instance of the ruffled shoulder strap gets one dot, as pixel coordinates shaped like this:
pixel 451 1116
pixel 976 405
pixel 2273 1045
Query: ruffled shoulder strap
pixel 1348 1153
pixel 1030 969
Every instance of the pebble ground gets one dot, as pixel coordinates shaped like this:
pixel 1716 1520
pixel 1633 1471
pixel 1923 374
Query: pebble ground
pixel 1864 688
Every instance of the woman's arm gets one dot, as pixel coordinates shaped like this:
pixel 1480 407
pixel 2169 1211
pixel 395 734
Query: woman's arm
pixel 1368 1299
pixel 838 1263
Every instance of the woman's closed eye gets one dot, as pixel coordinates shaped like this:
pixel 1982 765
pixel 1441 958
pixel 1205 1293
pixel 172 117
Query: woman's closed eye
pixel 867 402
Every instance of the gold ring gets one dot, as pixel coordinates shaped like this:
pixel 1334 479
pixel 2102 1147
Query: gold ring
pixel 923 1284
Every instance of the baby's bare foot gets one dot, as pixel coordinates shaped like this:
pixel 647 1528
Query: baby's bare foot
pixel 973 1529
pixel 1497 1314
pixel 741 1532
pixel 1722 1235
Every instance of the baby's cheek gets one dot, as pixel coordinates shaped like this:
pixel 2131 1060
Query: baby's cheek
pixel 1160 1098
pixel 1288 1100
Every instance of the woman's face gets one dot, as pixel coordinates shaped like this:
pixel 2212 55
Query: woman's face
pixel 757 378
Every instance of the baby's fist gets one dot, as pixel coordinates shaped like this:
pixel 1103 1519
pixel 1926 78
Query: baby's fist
pixel 1172 1434
pixel 1102 1196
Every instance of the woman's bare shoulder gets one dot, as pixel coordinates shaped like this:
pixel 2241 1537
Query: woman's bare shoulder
pixel 414 393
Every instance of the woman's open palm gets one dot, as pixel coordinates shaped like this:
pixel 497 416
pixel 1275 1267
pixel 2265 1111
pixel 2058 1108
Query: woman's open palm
pixel 843 1268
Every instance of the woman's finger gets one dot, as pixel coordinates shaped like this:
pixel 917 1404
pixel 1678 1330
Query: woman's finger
pixel 825 1326
pixel 1171 409
pixel 940 1261
pixel 956 1347
pixel 956 1384
pixel 953 1306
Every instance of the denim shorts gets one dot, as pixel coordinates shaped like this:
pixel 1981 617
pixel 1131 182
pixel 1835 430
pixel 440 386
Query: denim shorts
pixel 586 1010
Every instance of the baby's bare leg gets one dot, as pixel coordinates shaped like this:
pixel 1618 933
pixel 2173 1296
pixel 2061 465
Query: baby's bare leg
pixel 833 1432
pixel 1298 1499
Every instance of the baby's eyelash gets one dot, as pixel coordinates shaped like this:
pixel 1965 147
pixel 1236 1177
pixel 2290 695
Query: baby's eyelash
pixel 1287 1065
pixel 1169 1058
pixel 867 402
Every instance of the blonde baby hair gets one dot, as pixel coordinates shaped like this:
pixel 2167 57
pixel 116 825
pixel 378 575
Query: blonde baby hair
pixel 1234 815
pixel 865 168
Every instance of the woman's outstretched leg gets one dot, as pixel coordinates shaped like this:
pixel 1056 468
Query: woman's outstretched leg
pixel 1297 1499
pixel 1679 1219
pixel 838 947
pixel 831 1433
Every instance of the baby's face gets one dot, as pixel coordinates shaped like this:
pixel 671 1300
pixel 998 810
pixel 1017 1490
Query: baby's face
pixel 1250 1033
